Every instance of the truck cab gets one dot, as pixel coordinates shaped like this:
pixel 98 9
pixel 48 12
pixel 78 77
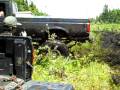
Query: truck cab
pixel 8 6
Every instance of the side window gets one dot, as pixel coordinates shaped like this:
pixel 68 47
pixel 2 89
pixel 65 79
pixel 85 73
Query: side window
pixel 2 10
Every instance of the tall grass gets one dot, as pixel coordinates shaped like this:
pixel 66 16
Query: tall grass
pixel 93 76
pixel 85 68
pixel 105 27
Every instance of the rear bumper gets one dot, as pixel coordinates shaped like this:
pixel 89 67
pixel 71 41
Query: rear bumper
pixel 81 37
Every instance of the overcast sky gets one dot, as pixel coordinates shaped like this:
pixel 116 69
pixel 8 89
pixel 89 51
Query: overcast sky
pixel 75 8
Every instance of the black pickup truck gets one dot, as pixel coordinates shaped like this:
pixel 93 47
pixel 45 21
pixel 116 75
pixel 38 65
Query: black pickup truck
pixel 38 27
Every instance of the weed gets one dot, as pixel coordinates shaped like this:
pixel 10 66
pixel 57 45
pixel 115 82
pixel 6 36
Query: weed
pixel 86 67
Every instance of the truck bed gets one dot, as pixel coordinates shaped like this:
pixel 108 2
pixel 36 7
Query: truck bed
pixel 72 28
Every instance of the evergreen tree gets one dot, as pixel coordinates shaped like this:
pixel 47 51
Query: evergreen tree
pixel 104 16
pixel 109 16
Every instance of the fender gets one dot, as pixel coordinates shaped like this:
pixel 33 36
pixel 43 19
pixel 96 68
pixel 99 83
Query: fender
pixel 55 28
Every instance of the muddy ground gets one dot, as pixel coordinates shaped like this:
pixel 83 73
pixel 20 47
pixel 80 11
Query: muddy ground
pixel 111 41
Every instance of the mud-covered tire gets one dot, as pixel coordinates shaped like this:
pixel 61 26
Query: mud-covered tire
pixel 57 45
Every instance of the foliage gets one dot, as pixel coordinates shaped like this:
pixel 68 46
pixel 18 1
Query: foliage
pixel 81 72
pixel 23 5
pixel 35 11
pixel 109 16
pixel 85 68
pixel 105 27
pixel 71 71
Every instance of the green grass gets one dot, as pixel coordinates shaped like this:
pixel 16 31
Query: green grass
pixel 85 68
pixel 105 27
pixel 93 76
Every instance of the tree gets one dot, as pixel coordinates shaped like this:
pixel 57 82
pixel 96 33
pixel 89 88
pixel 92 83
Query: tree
pixel 24 6
pixel 34 10
pixel 105 9
pixel 104 16
pixel 109 16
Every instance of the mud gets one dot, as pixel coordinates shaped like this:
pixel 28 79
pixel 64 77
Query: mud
pixel 111 42
pixel 116 79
